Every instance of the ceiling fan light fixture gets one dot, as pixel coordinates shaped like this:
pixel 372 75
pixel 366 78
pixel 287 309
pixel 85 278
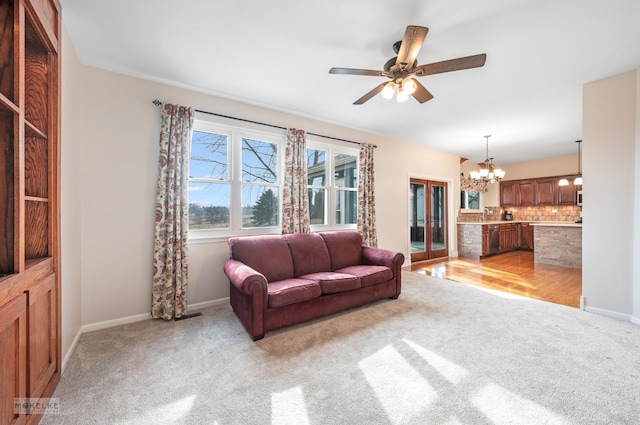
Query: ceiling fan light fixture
pixel 402 95
pixel 409 86
pixel 389 90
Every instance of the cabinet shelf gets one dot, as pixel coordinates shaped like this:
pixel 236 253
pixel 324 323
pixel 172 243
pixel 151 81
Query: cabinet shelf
pixel 35 199
pixel 33 131
pixel 7 104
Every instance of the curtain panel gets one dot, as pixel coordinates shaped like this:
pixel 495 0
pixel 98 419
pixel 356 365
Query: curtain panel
pixel 366 197
pixel 295 197
pixel 170 270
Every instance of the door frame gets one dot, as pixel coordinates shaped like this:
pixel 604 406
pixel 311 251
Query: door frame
pixel 452 240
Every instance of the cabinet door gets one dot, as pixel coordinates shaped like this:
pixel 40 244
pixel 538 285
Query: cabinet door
pixel 42 335
pixel 485 240
pixel 545 191
pixel 527 192
pixel 567 194
pixel 508 194
pixel 13 358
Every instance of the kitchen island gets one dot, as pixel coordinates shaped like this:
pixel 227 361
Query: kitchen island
pixel 558 244
pixel 555 243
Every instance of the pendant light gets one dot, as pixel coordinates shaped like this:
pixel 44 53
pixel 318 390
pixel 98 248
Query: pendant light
pixel 488 173
pixel 578 179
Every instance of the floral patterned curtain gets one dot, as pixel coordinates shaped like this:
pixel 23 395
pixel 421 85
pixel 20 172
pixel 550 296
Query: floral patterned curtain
pixel 295 199
pixel 366 197
pixel 169 292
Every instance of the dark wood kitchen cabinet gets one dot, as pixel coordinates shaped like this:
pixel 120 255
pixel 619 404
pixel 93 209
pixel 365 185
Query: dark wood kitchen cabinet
pixel 527 191
pixel 30 340
pixel 567 195
pixel 526 236
pixel 540 191
pixel 509 193
pixel 546 191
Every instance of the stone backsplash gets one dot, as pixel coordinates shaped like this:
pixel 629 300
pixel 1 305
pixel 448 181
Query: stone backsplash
pixel 570 213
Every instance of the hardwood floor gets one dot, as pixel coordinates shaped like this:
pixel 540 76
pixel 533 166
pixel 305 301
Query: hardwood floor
pixel 512 272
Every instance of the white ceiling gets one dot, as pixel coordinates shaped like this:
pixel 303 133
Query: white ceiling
pixel 277 53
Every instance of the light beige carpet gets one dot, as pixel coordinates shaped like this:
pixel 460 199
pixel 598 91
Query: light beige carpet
pixel 443 353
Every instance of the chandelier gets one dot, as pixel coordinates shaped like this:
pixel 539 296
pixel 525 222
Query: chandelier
pixel 578 179
pixel 488 173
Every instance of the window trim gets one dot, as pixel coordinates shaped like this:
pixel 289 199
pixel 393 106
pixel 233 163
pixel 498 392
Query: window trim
pixel 332 189
pixel 235 136
pixel 234 174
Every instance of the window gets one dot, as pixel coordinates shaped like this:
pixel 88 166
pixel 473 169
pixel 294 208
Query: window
pixel 470 200
pixel 234 180
pixel 332 179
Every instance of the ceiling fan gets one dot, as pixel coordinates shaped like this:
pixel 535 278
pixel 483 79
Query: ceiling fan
pixel 403 68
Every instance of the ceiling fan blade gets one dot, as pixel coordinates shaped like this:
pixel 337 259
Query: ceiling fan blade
pixel 475 61
pixel 411 43
pixel 421 94
pixel 352 71
pixel 369 95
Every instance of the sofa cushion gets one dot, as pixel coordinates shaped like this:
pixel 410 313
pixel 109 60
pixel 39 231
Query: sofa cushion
pixel 290 291
pixel 267 254
pixel 309 253
pixel 369 275
pixel 345 248
pixel 332 282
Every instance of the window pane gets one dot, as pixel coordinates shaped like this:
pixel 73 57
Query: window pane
pixel 316 205
pixel 345 170
pixel 208 205
pixel 259 161
pixel 346 206
pixel 208 156
pixel 316 164
pixel 473 199
pixel 259 206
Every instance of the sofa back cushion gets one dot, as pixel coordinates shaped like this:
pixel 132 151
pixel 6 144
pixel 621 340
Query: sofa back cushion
pixel 267 254
pixel 309 253
pixel 345 248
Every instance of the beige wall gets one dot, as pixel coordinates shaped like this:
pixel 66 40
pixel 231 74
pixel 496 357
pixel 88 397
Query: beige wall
pixel 610 162
pixel 110 142
pixel 71 253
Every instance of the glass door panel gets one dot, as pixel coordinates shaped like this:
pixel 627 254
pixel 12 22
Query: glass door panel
pixel 427 219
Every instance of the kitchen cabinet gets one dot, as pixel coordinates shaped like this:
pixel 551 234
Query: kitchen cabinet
pixel 509 192
pixel 30 339
pixel 546 191
pixel 541 191
pixel 527 192
pixel 567 195
pixel 526 236
pixel 485 240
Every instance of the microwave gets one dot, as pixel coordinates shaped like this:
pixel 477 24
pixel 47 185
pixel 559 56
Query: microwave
pixel 579 198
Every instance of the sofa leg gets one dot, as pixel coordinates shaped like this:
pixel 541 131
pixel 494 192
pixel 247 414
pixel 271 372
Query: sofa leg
pixel 395 297
pixel 257 337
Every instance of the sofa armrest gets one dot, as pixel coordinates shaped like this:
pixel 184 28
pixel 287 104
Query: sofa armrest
pixel 383 257
pixel 244 278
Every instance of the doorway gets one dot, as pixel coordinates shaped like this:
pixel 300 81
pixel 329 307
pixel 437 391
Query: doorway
pixel 427 219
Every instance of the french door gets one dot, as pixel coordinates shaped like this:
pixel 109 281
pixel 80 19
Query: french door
pixel 428 219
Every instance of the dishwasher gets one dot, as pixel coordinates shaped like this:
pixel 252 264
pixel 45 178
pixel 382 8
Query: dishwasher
pixel 494 238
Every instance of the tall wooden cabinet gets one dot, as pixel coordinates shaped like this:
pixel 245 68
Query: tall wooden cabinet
pixel 29 204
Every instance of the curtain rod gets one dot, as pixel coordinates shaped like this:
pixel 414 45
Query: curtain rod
pixel 158 103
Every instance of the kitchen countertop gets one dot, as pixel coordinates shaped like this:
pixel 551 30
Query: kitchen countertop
pixel 533 223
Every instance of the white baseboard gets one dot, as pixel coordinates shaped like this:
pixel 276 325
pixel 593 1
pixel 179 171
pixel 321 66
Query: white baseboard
pixel 612 314
pixel 126 320
pixel 71 349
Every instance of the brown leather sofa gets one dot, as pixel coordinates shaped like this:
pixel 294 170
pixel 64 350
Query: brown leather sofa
pixel 278 281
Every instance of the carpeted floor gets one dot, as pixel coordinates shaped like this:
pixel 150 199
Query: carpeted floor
pixel 443 353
